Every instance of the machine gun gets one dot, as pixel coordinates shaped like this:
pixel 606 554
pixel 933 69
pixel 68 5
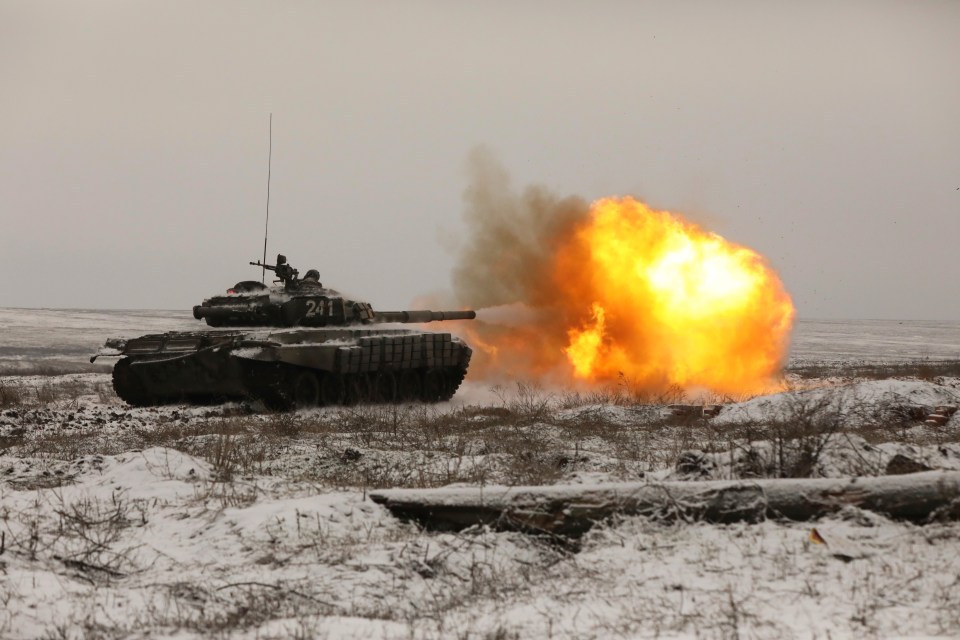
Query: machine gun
pixel 285 273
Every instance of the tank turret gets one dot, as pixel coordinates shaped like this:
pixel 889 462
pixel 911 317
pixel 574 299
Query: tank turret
pixel 304 303
pixel 292 345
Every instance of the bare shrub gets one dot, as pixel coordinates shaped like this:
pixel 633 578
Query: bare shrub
pixel 790 445
pixel 228 493
pixel 529 402
pixel 164 433
pixel 65 445
pixel 10 396
pixel 90 531
pixel 85 536
pixel 49 391
pixel 282 425
pixel 46 393
pixel 224 455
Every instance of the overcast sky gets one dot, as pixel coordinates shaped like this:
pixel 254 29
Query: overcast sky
pixel 134 139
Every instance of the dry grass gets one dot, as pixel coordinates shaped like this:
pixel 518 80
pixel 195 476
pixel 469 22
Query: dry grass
pixel 439 585
pixel 530 437
pixel 16 391
pixel 10 396
pixel 928 370
pixel 83 535
pixel 52 368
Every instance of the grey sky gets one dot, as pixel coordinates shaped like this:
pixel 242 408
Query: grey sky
pixel 133 139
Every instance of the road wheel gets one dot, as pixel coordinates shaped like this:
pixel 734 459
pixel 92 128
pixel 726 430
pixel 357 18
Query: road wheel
pixel 386 387
pixel 452 378
pixel 331 389
pixel 270 383
pixel 434 385
pixel 306 390
pixel 409 386
pixel 352 389
pixel 367 386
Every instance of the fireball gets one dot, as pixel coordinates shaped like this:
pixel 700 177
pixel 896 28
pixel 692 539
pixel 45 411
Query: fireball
pixel 615 292
pixel 668 304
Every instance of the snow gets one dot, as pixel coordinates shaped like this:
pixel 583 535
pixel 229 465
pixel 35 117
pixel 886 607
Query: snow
pixel 854 402
pixel 64 339
pixel 191 551
pixel 107 534
pixel 874 341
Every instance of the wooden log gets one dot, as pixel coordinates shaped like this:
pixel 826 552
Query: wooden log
pixel 572 509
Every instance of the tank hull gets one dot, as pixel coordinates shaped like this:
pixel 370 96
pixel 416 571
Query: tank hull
pixel 290 368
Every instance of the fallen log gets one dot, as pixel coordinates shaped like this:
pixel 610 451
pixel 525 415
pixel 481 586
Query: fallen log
pixel 571 510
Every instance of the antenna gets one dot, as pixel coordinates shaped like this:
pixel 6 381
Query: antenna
pixel 266 225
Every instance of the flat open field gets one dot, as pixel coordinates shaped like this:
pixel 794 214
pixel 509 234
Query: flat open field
pixel 229 521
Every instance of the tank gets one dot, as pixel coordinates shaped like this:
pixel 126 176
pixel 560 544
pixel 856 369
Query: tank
pixel 295 344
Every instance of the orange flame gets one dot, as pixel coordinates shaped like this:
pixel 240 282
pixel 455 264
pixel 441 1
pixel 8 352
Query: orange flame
pixel 625 290
pixel 671 304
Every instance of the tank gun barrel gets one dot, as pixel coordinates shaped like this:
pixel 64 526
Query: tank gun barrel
pixel 226 313
pixel 423 315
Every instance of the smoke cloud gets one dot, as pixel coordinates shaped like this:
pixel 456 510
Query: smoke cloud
pixel 506 271
pixel 575 293
pixel 512 237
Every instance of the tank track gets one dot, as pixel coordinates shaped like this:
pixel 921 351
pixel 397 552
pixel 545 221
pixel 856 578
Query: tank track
pixel 286 387
pixel 133 384
pixel 129 386
pixel 279 386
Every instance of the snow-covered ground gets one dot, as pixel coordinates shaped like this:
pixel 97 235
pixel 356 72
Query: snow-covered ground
pixel 148 544
pixel 874 340
pixel 53 340
pixel 225 521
